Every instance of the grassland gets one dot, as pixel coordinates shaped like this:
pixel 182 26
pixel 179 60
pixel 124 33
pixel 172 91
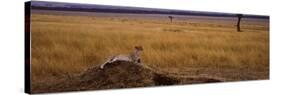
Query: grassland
pixel 68 44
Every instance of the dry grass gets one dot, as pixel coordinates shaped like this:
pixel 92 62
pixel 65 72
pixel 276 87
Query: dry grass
pixel 69 44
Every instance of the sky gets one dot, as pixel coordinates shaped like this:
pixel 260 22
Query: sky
pixel 228 6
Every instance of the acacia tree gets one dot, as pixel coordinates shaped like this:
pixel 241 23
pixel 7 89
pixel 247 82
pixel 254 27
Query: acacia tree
pixel 238 22
pixel 171 18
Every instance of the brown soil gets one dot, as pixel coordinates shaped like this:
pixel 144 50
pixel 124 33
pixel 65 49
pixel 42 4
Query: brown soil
pixel 118 75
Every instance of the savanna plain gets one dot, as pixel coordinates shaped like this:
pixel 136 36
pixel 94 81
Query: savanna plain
pixel 66 43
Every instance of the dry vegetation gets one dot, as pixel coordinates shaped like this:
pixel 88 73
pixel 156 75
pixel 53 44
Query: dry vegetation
pixel 67 44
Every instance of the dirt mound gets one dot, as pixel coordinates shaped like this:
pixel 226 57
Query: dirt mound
pixel 119 75
pixel 125 75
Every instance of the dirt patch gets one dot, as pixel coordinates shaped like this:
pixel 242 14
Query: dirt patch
pixel 118 75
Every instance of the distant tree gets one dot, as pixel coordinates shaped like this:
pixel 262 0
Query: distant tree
pixel 171 18
pixel 238 22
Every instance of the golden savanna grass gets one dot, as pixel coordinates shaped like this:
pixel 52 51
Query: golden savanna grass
pixel 68 44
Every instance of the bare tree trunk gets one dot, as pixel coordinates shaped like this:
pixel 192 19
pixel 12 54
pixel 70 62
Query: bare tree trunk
pixel 238 22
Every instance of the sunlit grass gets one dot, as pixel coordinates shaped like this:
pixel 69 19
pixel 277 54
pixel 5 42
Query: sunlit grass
pixel 70 44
